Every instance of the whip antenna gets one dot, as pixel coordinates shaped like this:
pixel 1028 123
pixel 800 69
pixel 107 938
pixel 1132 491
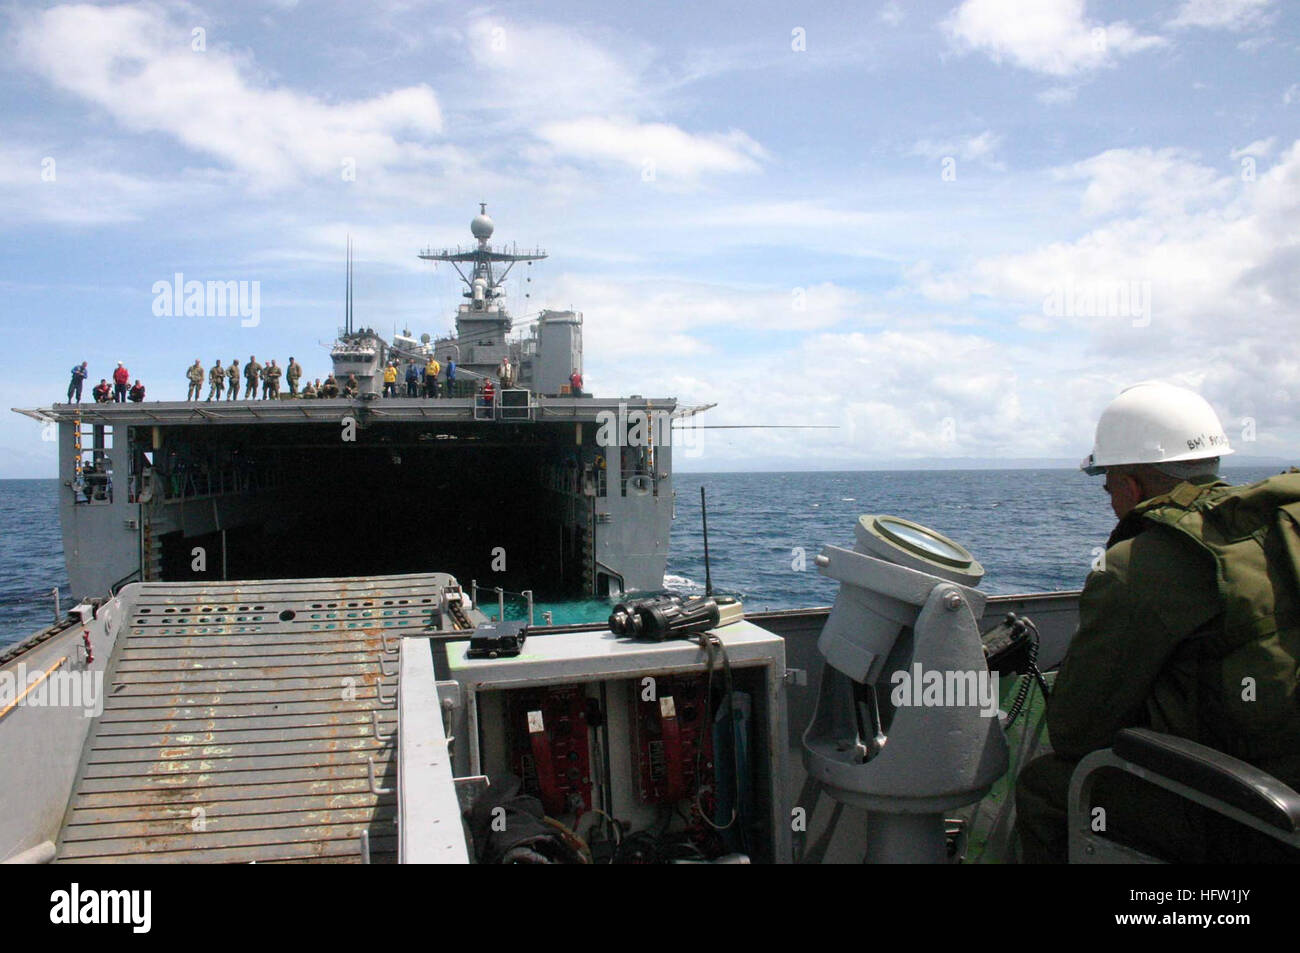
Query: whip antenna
pixel 704 512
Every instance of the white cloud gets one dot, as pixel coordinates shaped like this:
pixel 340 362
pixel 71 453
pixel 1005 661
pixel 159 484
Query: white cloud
pixel 1164 180
pixel 137 64
pixel 1260 149
pixel 891 13
pixel 794 214
pixel 1056 95
pixel 656 150
pixel 1219 258
pixel 542 71
pixel 968 148
pixel 1221 14
pixel 1046 36
pixel 625 314
pixel 75 188
pixel 1291 95
pixel 587 97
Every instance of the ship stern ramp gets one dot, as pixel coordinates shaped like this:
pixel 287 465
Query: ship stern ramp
pixel 257 722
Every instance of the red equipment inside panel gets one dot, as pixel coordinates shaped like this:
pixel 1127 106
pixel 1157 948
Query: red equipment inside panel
pixel 550 747
pixel 669 726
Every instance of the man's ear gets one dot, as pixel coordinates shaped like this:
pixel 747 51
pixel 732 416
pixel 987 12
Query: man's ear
pixel 1137 487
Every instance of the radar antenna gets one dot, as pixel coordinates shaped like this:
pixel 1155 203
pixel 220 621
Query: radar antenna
pixel 482 258
pixel 347 301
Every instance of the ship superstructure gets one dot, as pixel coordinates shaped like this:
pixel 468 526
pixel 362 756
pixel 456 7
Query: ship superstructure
pixel 483 324
pixel 358 353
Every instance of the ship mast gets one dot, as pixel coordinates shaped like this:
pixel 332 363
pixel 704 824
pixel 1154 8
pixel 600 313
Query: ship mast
pixel 483 284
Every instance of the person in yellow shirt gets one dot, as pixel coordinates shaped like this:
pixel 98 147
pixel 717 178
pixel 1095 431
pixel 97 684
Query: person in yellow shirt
pixel 390 380
pixel 431 377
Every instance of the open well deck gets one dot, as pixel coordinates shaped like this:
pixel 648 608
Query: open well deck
pixel 241 721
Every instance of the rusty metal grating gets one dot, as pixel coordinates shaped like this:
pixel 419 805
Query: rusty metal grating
pixel 240 721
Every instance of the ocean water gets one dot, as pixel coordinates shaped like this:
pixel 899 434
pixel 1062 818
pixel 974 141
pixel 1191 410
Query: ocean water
pixel 31 557
pixel 1033 530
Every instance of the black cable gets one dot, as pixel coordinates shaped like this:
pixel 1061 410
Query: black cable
pixel 1032 674
pixel 710 643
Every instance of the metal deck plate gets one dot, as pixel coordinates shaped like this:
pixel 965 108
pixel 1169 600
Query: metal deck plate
pixel 238 723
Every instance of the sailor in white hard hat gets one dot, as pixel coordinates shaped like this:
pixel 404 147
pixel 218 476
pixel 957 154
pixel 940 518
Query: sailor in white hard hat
pixel 1152 437
pixel 1193 593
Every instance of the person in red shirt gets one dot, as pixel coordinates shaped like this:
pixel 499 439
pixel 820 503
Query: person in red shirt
pixel 121 377
pixel 575 383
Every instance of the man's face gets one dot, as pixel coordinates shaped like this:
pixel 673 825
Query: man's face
pixel 1124 490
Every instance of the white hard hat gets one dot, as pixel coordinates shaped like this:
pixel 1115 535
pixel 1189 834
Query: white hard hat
pixel 1156 423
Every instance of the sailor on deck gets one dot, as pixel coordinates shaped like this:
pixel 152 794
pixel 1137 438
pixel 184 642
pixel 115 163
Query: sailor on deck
pixel 1195 597
pixel 216 381
pixel 195 373
pixel 292 374
pixel 431 377
pixel 252 373
pixel 232 376
pixel 271 381
pixel 79 374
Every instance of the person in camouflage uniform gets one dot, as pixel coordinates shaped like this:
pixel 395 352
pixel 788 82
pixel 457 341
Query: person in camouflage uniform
pixel 330 388
pixel 1198 594
pixel 232 374
pixel 292 374
pixel 216 381
pixel 271 381
pixel 195 375
pixel 252 374
pixel 309 391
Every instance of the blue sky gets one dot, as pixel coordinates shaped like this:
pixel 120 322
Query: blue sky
pixel 851 215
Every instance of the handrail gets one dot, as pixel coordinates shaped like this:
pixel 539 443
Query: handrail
pixel 43 676
pixel 133 576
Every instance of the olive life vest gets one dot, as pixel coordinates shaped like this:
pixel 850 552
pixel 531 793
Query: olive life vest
pixel 1248 701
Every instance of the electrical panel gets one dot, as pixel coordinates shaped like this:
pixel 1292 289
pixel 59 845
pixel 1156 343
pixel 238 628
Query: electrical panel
pixel 610 731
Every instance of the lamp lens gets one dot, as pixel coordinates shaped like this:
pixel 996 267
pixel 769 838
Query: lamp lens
pixel 918 539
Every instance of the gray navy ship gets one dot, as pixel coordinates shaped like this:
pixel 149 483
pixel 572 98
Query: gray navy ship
pixel 252 673
pixel 571 494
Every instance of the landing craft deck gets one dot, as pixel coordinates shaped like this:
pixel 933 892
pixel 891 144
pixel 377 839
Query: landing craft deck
pixel 245 722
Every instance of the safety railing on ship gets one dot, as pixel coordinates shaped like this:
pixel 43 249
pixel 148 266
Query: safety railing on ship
pixel 526 596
